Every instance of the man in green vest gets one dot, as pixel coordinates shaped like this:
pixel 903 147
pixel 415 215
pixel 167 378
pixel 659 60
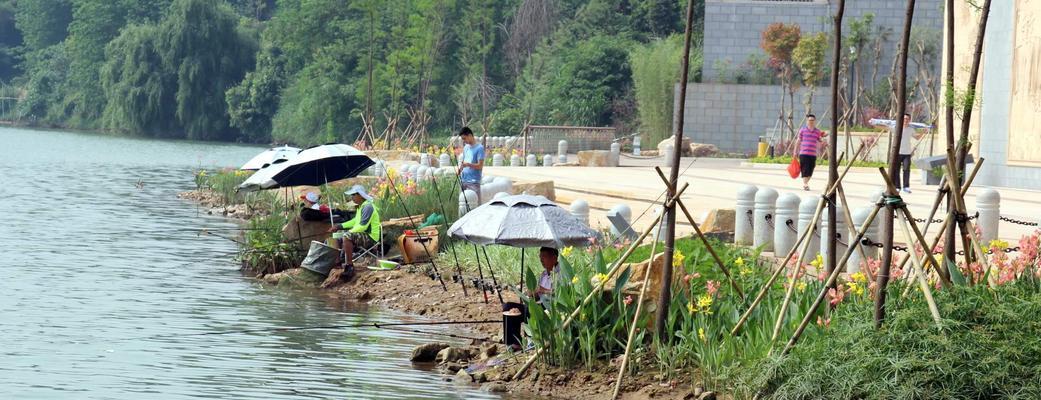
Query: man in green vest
pixel 362 231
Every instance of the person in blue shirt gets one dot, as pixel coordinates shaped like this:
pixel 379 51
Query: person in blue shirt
pixel 471 163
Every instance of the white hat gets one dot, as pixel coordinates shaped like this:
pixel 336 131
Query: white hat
pixel 359 190
pixel 310 196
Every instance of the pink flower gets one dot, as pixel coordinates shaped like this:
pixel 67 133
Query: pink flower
pixel 688 277
pixel 823 322
pixel 712 287
pixel 628 300
pixel 835 296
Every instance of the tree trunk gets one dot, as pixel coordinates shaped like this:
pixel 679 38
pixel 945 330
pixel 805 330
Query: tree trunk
pixel 665 296
pixel 833 144
pixel 894 166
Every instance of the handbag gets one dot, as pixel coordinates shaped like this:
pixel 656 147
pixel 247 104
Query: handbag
pixel 794 168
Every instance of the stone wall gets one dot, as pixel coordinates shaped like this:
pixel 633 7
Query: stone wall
pixel 733 117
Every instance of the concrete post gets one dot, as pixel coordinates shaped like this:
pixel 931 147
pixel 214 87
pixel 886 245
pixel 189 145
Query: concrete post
pixel 807 207
pixel 422 174
pixel 784 234
pixel 622 211
pixel 444 160
pixel 379 169
pixel 547 160
pixel 468 197
pixel 743 214
pixel 580 209
pixel 487 179
pixel 424 159
pixel 531 161
pixel 515 161
pixel 988 204
pixel 856 263
pixel 562 158
pixel 616 154
pixel 504 184
pixel 670 151
pixel 881 236
pixel 562 148
pixel 497 160
pixel 762 232
pixel 840 230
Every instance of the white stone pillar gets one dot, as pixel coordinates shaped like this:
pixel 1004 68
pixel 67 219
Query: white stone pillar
pixel 840 229
pixel 616 154
pixel 424 159
pixel 636 145
pixel 762 233
pixel 379 169
pixel 856 263
pixel 497 160
pixel 988 204
pixel 547 160
pixel 504 184
pixel 562 149
pixel 444 160
pixel 743 214
pixel 622 211
pixel 422 174
pixel 670 151
pixel 500 195
pixel 873 199
pixel 785 234
pixel 468 197
pixel 531 161
pixel 515 161
pixel 807 208
pixel 580 209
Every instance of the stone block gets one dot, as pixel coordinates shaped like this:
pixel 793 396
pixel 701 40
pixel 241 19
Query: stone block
pixel 594 158
pixel 544 188
pixel 719 220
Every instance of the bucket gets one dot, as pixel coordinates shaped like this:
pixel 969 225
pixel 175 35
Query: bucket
pixel 511 326
pixel 418 247
pixel 320 258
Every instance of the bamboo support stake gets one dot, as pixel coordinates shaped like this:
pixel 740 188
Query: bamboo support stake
pixel 636 318
pixel 920 271
pixel 968 230
pixel 719 262
pixel 914 227
pixel 600 286
pixel 849 222
pixel 791 283
pixel 827 285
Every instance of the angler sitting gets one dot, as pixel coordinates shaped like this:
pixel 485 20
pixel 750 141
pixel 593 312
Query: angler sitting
pixel 312 210
pixel 363 230
pixel 543 294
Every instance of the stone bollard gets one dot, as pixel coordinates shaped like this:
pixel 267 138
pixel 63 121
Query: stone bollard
pixel 580 209
pixel 531 161
pixel 988 204
pixel 547 160
pixel 379 169
pixel 856 263
pixel 422 174
pixel 504 184
pixel 616 154
pixel 497 160
pixel 487 179
pixel 562 148
pixel 500 195
pixel 622 211
pixel 562 159
pixel 424 159
pixel 784 233
pixel 670 151
pixel 515 161
pixel 873 198
pixel 807 207
pixel 444 160
pixel 743 214
pixel 762 231
pixel 467 198
pixel 840 230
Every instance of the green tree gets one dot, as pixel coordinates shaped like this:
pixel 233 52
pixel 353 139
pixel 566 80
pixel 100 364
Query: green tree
pixel 808 55
pixel 10 41
pixel 42 22
pixel 139 88
pixel 656 67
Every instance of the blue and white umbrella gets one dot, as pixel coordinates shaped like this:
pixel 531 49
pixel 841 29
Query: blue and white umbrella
pixel 312 167
pixel 270 156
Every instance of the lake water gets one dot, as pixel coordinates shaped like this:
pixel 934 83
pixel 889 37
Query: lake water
pixel 103 279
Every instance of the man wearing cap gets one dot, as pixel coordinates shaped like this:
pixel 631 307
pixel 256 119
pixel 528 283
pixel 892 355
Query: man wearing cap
pixel 312 210
pixel 362 230
pixel 471 163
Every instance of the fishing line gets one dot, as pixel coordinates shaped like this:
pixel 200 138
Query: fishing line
pixel 656 200
pixel 319 327
pixel 458 268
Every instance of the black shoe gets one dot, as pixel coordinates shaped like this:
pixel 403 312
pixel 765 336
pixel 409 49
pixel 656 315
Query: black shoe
pixel 348 273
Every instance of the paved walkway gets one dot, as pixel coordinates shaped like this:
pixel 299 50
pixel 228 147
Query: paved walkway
pixel 714 184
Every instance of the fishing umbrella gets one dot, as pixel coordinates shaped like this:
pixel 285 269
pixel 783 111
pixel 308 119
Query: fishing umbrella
pixel 319 165
pixel 270 156
pixel 262 176
pixel 522 221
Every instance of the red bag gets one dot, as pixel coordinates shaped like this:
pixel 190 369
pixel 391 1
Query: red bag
pixel 794 169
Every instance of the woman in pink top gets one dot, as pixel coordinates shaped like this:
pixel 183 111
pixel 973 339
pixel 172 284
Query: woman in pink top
pixel 809 141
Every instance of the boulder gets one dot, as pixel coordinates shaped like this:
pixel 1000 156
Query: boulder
pixel 463 377
pixel 427 352
pixel 703 149
pixel 494 388
pixel 544 188
pixel 719 220
pixel 639 270
pixel 452 354
pixel 594 158
pixel 671 140
pixel 489 351
pixel 303 232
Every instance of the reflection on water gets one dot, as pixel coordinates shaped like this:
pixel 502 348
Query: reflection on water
pixel 105 289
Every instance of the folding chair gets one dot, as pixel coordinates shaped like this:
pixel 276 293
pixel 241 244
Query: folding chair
pixel 375 251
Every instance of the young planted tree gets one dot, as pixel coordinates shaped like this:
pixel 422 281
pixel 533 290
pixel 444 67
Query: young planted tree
pixel 779 41
pixel 808 56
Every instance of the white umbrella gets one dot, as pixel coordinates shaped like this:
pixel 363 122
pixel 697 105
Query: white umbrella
pixel 259 179
pixel 522 221
pixel 270 156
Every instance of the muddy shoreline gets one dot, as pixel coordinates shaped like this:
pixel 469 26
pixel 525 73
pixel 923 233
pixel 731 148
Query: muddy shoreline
pixel 411 290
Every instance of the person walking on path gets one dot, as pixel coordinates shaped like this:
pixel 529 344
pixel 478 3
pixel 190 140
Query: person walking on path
pixel 906 150
pixel 810 139
pixel 471 164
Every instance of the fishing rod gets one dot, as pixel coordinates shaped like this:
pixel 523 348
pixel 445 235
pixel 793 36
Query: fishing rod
pixel 412 221
pixel 319 327
pixel 455 256
pixel 477 256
